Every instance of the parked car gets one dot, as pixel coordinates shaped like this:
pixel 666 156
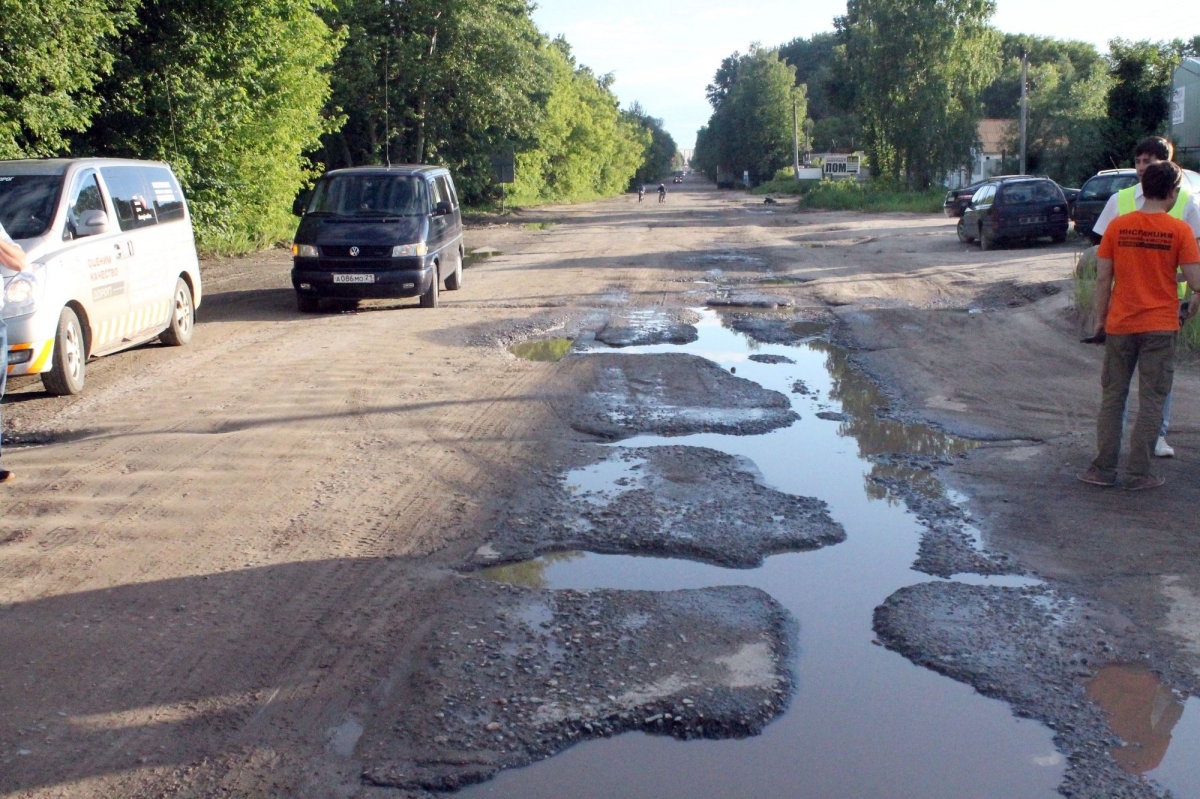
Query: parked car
pixel 378 232
pixel 1094 194
pixel 113 263
pixel 957 199
pixel 1015 208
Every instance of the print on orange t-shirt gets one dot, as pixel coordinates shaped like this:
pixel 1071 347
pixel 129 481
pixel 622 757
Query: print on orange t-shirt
pixel 1146 249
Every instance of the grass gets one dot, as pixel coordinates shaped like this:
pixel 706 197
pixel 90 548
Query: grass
pixel 850 195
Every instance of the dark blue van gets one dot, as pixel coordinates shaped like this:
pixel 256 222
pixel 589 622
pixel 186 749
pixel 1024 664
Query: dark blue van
pixel 378 232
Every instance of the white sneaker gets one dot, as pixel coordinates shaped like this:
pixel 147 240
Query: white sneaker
pixel 1162 449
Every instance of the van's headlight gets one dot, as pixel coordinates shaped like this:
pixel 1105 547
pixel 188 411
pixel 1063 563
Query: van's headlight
pixel 409 250
pixel 22 293
pixel 305 251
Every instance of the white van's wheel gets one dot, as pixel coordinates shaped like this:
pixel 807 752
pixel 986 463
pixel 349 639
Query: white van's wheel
pixel 454 281
pixel 68 365
pixel 430 298
pixel 183 317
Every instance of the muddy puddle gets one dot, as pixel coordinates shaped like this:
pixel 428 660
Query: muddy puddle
pixel 1159 728
pixel 546 349
pixel 863 720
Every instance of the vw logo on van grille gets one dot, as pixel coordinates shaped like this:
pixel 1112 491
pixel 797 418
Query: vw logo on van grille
pixel 354 251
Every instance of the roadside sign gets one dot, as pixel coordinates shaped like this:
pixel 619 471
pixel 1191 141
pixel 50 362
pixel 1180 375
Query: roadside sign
pixel 840 165
pixel 746 178
pixel 504 167
pixel 1177 106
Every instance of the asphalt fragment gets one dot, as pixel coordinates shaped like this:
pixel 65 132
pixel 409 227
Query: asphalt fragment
pixel 670 394
pixel 1029 647
pixel 675 501
pixel 538 671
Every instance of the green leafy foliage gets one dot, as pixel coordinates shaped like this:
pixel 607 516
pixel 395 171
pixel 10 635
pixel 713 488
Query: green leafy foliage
pixel 1139 97
pixel 751 125
pixel 662 153
pixel 231 94
pixel 585 147
pixel 918 68
pixel 52 54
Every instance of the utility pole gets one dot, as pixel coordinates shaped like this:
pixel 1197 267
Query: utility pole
pixel 795 138
pixel 1024 105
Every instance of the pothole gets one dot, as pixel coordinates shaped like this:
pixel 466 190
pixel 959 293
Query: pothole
pixel 546 349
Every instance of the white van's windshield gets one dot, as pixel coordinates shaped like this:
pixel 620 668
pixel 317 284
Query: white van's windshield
pixel 370 195
pixel 27 203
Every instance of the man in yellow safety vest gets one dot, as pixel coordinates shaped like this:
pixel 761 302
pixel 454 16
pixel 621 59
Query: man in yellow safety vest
pixel 1151 151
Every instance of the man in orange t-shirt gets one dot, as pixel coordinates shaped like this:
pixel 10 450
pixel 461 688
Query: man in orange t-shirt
pixel 1137 308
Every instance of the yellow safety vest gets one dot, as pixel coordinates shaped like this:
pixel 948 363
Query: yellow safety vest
pixel 1127 204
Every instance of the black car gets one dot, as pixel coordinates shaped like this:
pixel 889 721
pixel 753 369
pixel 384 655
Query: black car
pixel 378 232
pixel 957 199
pixel 1094 194
pixel 1015 208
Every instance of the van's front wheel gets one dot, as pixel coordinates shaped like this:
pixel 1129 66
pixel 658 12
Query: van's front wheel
pixel 68 365
pixel 183 317
pixel 430 298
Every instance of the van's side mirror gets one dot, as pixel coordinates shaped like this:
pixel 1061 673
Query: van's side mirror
pixel 300 204
pixel 92 223
pixel 442 208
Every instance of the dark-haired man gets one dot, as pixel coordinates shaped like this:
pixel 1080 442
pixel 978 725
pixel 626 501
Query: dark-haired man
pixel 1152 151
pixel 1137 307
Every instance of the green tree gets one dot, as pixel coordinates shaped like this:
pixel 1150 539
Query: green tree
pixel 455 80
pixel 52 54
pixel 751 124
pixel 231 94
pixel 1139 98
pixel 584 148
pixel 660 155
pixel 918 68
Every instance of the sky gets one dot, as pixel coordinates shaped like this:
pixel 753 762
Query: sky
pixel 664 52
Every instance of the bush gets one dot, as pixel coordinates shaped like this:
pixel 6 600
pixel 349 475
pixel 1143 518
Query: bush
pixel 851 195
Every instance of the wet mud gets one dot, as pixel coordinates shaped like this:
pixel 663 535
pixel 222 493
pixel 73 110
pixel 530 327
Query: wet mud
pixel 643 328
pixel 669 394
pixel 672 501
pixel 1030 647
pixel 515 674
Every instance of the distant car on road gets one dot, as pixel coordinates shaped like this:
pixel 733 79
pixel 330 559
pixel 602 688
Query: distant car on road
pixel 957 199
pixel 1094 194
pixel 1015 208
pixel 677 180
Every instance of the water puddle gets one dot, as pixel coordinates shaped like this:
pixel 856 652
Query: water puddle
pixel 864 721
pixel 478 256
pixel 547 349
pixel 1159 727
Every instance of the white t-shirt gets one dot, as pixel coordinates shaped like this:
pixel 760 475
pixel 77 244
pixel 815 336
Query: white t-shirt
pixel 1191 212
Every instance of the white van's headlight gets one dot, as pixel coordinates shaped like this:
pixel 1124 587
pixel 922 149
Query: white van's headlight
pixel 305 251
pixel 409 250
pixel 23 292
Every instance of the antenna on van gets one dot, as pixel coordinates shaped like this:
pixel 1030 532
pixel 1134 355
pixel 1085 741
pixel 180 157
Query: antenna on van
pixel 171 113
pixel 387 128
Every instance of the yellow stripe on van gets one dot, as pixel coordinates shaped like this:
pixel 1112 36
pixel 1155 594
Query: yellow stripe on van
pixel 37 366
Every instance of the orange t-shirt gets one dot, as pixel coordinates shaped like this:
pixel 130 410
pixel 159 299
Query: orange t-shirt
pixel 1146 249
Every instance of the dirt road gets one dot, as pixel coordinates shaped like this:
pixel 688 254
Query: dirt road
pixel 221 565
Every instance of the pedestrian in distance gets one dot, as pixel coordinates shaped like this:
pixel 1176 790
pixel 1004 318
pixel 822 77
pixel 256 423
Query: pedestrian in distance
pixel 1152 151
pixel 1137 318
pixel 11 257
pixel 662 192
pixel 641 192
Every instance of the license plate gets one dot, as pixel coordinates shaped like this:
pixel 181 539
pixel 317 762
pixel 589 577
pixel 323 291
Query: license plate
pixel 353 278
pixel 1032 220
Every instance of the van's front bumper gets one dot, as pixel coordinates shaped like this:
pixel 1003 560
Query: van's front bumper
pixel 30 345
pixel 400 277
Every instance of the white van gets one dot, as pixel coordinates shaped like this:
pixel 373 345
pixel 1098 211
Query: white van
pixel 113 263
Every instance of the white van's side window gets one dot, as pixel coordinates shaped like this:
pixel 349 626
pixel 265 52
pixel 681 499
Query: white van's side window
pixel 85 196
pixel 168 199
pixel 130 195
pixel 435 192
